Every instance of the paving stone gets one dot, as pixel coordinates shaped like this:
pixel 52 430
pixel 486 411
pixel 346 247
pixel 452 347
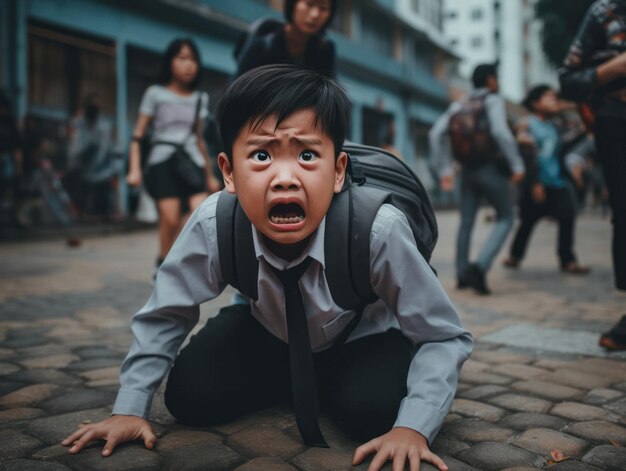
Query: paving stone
pixel 30 465
pixel 28 395
pixel 579 412
pixel 481 392
pixel 607 457
pixel 546 389
pixel 492 456
pixel 126 457
pixel 527 420
pixel 88 353
pixel 50 361
pixel 328 459
pixel 572 465
pixel 611 369
pixel 19 413
pixel 56 428
pixel 486 378
pixel 102 377
pixel 618 406
pixel 266 464
pixel 42 350
pixel 50 376
pixel 51 453
pixel 476 409
pixel 499 356
pixel 22 342
pixel 520 468
pixel 452 418
pixel 521 403
pixel 15 444
pixel 599 431
pixel 8 368
pixel 601 396
pixel 577 379
pixel 621 386
pixel 518 371
pixel 187 438
pixel 6 352
pixel 77 400
pixel 7 387
pixel 543 441
pixel 474 430
pixel 93 364
pixel 202 458
pixel 444 445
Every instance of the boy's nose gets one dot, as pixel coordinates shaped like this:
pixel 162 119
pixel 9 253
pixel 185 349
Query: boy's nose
pixel 285 179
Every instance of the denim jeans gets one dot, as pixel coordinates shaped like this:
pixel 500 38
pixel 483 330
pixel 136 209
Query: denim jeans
pixel 493 185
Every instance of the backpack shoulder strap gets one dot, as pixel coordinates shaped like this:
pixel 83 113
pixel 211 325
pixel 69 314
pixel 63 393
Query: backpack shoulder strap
pixel 347 245
pixel 240 267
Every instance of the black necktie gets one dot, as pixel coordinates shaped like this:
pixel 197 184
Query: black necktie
pixel 303 387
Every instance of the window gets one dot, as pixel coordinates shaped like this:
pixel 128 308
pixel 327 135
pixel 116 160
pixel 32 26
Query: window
pixel 476 42
pixel 377 33
pixel 476 14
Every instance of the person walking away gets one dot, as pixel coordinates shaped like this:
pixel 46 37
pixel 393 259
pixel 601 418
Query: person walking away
pixel 178 166
pixel 594 73
pixel 547 190
pixel 479 136
pixel 90 150
pixel 299 40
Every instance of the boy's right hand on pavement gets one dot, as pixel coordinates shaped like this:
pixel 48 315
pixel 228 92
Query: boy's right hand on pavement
pixel 115 430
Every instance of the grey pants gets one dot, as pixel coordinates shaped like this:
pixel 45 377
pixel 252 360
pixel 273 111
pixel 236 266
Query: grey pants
pixel 491 184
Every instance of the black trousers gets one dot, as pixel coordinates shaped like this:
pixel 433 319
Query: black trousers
pixel 559 203
pixel 234 366
pixel 610 136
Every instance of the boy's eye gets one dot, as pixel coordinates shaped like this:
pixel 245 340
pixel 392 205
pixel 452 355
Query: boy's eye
pixel 308 156
pixel 261 156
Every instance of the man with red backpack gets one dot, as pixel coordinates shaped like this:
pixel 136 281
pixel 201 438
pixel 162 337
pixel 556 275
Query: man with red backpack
pixel 482 144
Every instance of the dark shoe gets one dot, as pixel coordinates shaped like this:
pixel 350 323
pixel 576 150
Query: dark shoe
pixel 461 283
pixel 615 339
pixel 511 262
pixel 573 268
pixel 476 279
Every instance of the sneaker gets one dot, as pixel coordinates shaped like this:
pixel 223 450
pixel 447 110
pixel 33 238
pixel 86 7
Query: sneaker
pixel 573 268
pixel 615 339
pixel 476 279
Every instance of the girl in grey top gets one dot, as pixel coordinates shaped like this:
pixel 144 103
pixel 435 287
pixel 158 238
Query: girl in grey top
pixel 170 107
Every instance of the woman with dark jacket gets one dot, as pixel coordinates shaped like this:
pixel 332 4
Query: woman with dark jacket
pixel 301 40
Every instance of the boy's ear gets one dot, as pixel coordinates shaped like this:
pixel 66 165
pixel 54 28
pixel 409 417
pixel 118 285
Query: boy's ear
pixel 227 172
pixel 340 171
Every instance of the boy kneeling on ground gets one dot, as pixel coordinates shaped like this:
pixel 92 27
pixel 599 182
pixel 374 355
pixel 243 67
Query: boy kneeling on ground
pixel 391 384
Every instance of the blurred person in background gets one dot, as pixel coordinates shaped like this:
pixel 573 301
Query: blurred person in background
pixel 91 159
pixel 178 166
pixel 546 190
pixel 594 73
pixel 482 143
pixel 300 40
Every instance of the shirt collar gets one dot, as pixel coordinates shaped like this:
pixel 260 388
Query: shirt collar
pixel 315 249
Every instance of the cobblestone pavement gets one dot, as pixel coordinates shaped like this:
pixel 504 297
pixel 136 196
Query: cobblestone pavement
pixel 536 393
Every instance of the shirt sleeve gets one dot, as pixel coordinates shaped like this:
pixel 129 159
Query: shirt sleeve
pixel 501 132
pixel 189 276
pixel 439 142
pixel 149 101
pixel 577 76
pixel 402 278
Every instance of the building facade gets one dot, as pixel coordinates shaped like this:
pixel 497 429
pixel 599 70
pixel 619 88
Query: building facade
pixel 503 31
pixel 395 67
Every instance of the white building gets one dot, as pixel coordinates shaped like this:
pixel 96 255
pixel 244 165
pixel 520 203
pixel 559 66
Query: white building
pixel 499 30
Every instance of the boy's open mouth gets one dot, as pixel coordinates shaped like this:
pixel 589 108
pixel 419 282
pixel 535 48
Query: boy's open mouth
pixel 289 213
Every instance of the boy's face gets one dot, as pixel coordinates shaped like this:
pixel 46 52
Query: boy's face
pixel 284 177
pixel 547 104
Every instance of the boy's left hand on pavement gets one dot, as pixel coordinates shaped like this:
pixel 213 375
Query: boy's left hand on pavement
pixel 399 445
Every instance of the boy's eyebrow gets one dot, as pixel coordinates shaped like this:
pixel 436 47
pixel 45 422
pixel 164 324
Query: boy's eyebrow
pixel 262 141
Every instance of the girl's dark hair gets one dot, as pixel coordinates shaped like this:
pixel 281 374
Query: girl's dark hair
pixel 535 94
pixel 173 49
pixel 291 4
pixel 282 90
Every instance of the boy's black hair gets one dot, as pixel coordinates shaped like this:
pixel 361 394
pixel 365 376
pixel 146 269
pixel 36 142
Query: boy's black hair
pixel 173 49
pixel 482 72
pixel 282 90
pixel 290 5
pixel 535 94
